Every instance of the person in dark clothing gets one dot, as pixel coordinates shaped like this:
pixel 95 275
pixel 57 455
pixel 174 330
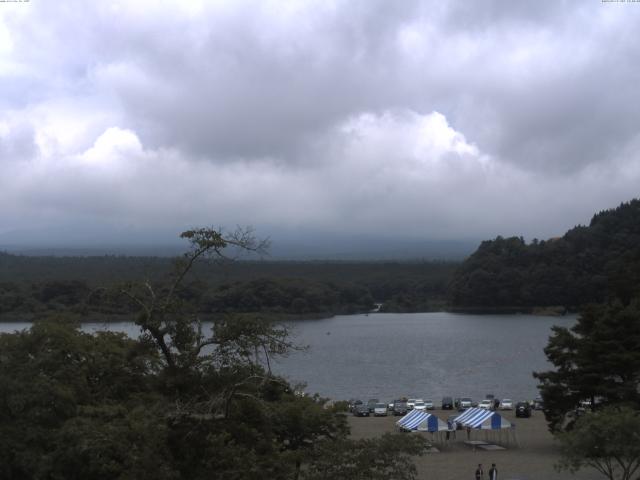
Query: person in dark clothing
pixel 479 472
pixel 493 472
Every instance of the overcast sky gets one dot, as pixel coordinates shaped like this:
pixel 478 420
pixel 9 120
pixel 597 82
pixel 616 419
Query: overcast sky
pixel 433 119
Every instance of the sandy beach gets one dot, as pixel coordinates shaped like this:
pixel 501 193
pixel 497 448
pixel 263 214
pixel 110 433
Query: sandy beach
pixel 534 458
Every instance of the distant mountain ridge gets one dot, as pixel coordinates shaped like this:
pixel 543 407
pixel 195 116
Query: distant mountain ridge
pixel 326 248
pixel 588 264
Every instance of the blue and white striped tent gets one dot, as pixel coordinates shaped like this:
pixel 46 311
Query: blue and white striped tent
pixel 482 419
pixel 421 421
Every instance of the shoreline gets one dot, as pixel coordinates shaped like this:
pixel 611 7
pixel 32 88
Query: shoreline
pixel 557 311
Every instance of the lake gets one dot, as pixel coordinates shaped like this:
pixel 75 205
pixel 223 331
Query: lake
pixel 428 355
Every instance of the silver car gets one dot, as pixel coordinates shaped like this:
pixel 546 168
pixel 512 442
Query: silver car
pixel 419 405
pixel 506 404
pixel 380 410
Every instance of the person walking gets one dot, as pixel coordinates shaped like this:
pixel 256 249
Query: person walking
pixel 493 472
pixel 479 472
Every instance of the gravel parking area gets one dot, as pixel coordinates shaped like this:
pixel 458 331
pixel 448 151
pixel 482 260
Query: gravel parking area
pixel 533 459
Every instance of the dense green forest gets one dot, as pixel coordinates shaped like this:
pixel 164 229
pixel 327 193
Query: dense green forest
pixel 181 401
pixel 31 286
pixel 588 264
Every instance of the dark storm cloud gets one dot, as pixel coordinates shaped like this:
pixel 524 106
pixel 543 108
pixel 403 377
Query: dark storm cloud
pixel 555 80
pixel 257 82
pixel 438 119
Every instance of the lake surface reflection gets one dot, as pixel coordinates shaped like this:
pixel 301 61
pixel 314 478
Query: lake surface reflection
pixel 426 355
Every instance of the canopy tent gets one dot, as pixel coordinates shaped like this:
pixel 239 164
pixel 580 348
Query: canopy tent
pixel 490 423
pixel 482 419
pixel 421 421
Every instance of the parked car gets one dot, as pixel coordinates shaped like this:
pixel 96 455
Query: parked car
pixel 419 405
pixel 353 404
pixel 361 410
pixel 372 404
pixel 465 403
pixel 486 404
pixel 380 410
pixel 410 403
pixel 506 404
pixel 428 403
pixel 494 400
pixel 538 404
pixel 447 403
pixel 399 408
pixel 523 409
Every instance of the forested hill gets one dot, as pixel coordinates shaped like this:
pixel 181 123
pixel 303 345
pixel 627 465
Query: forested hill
pixel 588 264
pixel 35 286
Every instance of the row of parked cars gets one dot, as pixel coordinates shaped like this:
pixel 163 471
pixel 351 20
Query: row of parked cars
pixel 403 405
pixel 491 403
pixel 377 408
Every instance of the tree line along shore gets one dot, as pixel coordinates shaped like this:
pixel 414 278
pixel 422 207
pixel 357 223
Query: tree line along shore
pixel 92 286
pixel 589 264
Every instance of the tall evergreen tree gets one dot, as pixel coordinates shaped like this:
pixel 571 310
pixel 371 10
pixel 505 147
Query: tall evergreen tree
pixel 598 359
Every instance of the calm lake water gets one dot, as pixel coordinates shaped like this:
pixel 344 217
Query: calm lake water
pixel 426 355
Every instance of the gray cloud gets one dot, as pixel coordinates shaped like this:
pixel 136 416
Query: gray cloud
pixel 427 118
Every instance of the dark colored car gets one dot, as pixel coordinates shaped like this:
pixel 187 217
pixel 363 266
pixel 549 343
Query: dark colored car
pixel 400 408
pixel 361 410
pixel 372 404
pixel 353 404
pixel 447 403
pixel 523 409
